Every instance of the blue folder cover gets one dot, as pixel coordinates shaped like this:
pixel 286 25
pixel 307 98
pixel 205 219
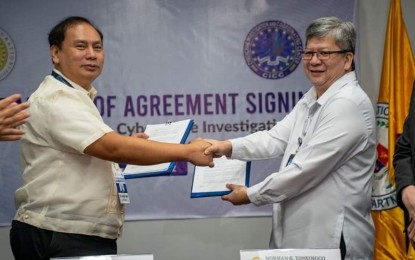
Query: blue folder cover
pixel 166 171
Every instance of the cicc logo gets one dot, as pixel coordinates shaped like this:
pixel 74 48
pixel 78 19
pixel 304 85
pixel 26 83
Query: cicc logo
pixel 272 49
pixel 7 54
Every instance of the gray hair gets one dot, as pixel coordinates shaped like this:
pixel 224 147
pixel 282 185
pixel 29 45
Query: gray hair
pixel 343 32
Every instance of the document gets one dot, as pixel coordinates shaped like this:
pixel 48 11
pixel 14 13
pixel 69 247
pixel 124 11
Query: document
pixel 170 132
pixel 332 254
pixel 212 181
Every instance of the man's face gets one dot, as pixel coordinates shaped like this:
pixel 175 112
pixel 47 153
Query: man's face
pixel 81 56
pixel 324 72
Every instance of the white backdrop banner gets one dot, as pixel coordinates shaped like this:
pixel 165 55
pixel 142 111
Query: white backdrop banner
pixel 233 66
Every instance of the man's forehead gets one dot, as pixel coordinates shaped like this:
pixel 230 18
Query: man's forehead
pixel 326 40
pixel 82 32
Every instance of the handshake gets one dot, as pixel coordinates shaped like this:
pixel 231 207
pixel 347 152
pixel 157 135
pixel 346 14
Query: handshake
pixel 202 151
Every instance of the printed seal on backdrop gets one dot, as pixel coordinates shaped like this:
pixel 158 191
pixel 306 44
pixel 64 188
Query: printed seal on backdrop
pixel 272 49
pixel 7 54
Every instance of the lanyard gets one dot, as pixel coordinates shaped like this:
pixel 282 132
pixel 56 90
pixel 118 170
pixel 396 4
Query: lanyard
pixel 306 125
pixel 61 79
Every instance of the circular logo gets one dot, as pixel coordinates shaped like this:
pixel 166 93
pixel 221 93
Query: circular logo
pixel 272 49
pixel 383 192
pixel 7 54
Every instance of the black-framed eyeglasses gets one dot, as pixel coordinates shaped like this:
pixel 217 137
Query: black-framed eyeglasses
pixel 321 55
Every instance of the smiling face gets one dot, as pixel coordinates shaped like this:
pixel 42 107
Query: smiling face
pixel 323 73
pixel 81 55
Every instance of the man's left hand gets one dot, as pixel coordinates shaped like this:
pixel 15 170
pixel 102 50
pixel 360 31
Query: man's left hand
pixel 238 196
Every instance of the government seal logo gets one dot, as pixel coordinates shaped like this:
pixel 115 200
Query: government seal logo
pixel 383 193
pixel 272 49
pixel 7 54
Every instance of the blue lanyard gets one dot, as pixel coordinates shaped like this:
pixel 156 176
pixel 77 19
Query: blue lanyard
pixel 61 79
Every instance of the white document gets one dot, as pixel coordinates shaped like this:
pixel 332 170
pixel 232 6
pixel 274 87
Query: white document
pixel 171 132
pixel 212 181
pixel 328 254
pixel 109 257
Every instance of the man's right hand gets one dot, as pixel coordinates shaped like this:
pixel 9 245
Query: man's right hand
pixel 219 148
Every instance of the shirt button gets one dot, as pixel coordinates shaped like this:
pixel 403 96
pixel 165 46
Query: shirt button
pixel 26 217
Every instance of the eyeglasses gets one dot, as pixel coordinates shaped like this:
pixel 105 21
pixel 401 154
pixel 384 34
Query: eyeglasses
pixel 321 55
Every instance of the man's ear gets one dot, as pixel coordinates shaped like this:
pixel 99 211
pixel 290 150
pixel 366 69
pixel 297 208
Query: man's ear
pixel 349 61
pixel 54 51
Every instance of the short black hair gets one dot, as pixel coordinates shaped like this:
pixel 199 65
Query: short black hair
pixel 57 34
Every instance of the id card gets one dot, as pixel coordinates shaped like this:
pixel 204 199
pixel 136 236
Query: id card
pixel 290 159
pixel 122 188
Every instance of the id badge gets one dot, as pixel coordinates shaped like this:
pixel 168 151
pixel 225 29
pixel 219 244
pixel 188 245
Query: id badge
pixel 290 159
pixel 122 188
